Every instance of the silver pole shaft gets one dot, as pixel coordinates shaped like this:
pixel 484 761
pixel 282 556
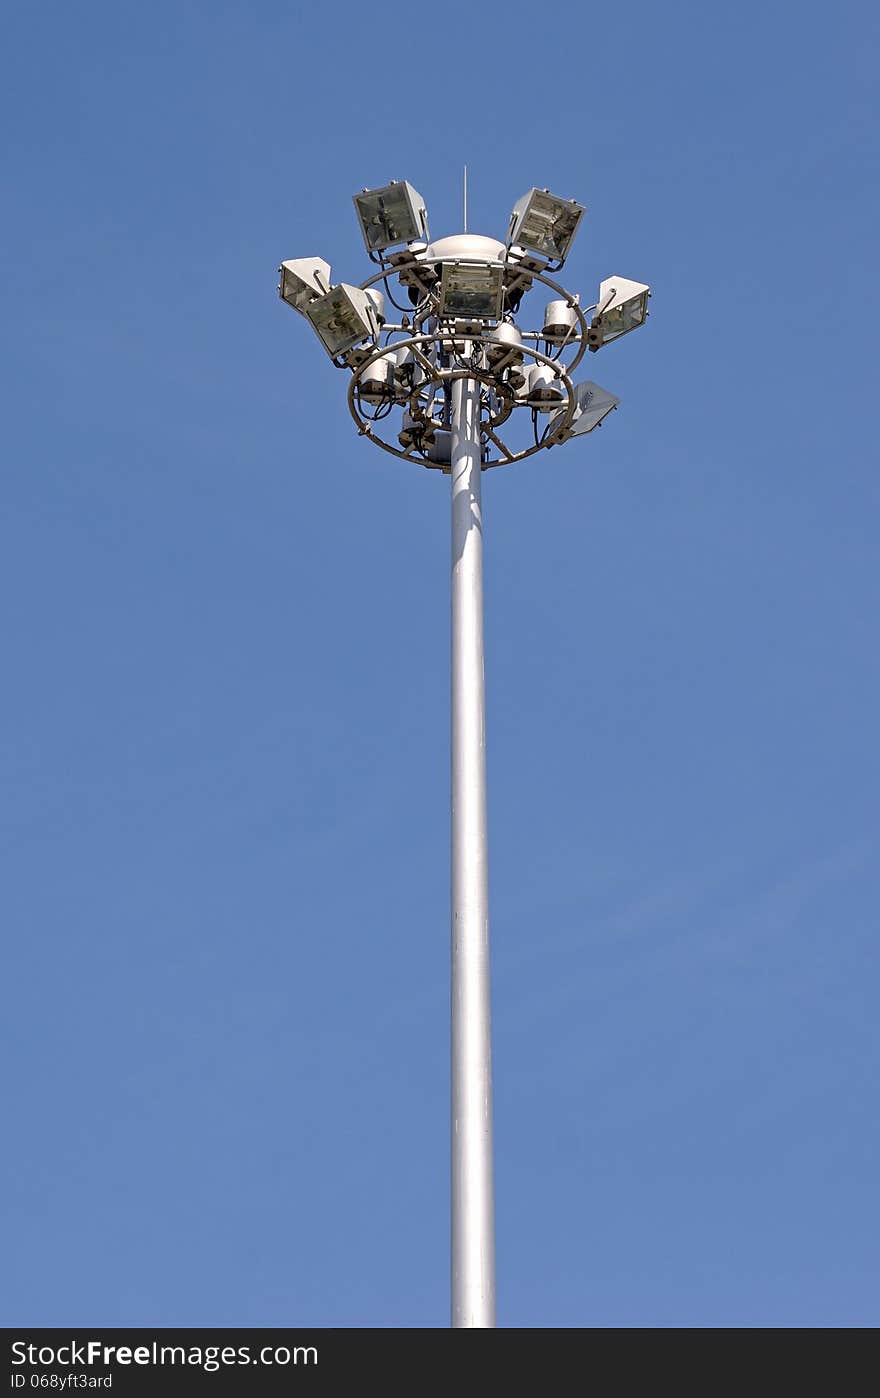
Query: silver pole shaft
pixel 473 1208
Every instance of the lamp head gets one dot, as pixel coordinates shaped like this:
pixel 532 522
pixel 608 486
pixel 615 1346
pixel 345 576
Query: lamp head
pixel 543 223
pixel 393 214
pixel 471 290
pixel 622 306
pixel 592 404
pixel 342 318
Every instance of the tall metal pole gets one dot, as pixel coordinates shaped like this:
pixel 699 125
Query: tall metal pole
pixel 473 1205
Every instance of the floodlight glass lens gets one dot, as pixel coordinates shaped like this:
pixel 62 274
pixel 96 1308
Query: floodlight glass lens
pixel 471 292
pixel 549 225
pixel 386 217
pixel 621 319
pixel 337 321
pixel 303 279
pixel 295 291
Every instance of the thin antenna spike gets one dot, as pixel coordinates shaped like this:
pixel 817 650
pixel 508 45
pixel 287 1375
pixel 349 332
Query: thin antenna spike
pixel 465 198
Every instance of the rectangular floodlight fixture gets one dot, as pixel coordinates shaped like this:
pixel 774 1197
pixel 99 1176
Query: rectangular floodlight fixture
pixel 544 223
pixel 394 214
pixel 343 318
pixel 303 280
pixel 622 306
pixel 592 404
pixel 471 290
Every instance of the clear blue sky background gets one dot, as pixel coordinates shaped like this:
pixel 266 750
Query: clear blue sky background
pixel 224 706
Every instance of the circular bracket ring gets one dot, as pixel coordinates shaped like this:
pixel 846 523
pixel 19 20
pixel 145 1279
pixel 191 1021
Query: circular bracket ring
pixel 440 377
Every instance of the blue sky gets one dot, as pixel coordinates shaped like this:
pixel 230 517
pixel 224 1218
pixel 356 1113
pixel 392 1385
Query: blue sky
pixel 224 713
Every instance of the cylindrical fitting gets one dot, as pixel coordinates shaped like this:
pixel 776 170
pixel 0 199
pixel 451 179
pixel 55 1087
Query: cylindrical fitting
pixel 439 450
pixel 415 431
pixel 545 390
pixel 378 301
pixel 376 382
pixel 560 322
pixel 517 377
pixel 408 372
pixel 505 345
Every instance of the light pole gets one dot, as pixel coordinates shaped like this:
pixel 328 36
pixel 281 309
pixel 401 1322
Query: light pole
pixel 473 1211
pixel 457 369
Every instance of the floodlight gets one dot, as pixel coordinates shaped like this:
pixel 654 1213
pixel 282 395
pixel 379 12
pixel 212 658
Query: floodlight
pixel 592 404
pixel 303 280
pixel 342 318
pixel 541 222
pixel 622 306
pixel 394 214
pixel 545 391
pixel 471 290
